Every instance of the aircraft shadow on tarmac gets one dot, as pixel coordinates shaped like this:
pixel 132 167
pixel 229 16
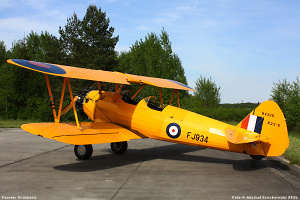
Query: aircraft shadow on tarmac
pixel 169 152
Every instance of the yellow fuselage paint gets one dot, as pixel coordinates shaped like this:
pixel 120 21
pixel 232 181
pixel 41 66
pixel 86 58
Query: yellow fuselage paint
pixel 195 129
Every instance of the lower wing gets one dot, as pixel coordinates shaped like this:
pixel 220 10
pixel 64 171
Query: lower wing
pixel 90 132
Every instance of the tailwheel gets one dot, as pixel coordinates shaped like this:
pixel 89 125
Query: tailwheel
pixel 119 147
pixel 255 158
pixel 83 152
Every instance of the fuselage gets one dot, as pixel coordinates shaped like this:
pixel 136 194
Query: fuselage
pixel 263 132
pixel 169 124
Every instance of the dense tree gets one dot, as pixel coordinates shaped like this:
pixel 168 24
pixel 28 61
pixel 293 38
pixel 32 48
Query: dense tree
pixel 207 92
pixel 43 48
pixel 22 93
pixel 4 82
pixel 287 95
pixel 89 42
pixel 20 50
pixel 2 53
pixel 153 57
pixel 51 50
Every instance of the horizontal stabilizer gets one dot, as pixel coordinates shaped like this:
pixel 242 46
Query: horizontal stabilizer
pixel 90 132
pixel 240 136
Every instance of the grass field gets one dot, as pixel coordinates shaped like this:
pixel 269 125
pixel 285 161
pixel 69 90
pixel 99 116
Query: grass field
pixel 14 123
pixel 292 153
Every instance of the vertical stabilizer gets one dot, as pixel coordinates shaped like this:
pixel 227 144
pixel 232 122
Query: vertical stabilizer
pixel 268 121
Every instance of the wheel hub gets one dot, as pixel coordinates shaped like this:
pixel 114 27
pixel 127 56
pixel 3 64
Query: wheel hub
pixel 81 150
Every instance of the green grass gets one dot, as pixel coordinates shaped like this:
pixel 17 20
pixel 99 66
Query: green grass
pixel 14 123
pixel 293 152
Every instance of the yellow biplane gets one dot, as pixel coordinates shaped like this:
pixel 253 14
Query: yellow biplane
pixel 117 117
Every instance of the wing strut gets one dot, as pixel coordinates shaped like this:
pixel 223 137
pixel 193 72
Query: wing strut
pixel 137 92
pixel 73 102
pixel 175 91
pixel 161 98
pixel 61 101
pixel 57 117
pixel 51 96
pixel 178 99
pixel 172 97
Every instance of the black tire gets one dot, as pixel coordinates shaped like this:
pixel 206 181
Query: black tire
pixel 257 157
pixel 119 147
pixel 83 152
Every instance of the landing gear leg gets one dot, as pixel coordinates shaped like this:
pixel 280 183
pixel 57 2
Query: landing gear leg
pixel 83 152
pixel 119 147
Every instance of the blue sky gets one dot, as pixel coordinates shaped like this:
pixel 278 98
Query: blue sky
pixel 244 45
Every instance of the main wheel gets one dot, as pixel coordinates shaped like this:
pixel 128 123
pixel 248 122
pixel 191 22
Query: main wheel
pixel 119 147
pixel 83 152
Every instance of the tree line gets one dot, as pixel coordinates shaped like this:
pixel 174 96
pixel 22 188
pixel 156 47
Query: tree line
pixel 90 43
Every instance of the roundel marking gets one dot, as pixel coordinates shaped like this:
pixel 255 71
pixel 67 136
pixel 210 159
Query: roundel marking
pixel 173 130
pixel 39 66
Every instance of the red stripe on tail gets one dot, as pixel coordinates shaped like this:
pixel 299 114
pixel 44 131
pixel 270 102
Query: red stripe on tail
pixel 245 122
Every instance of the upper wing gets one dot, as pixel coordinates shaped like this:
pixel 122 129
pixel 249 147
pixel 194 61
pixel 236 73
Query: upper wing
pixel 90 133
pixel 158 82
pixel 72 72
pixel 97 75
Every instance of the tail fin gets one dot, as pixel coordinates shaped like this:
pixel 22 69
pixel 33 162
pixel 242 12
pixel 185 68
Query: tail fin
pixel 268 121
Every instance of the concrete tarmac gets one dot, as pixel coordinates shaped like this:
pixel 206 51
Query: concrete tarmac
pixel 32 167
